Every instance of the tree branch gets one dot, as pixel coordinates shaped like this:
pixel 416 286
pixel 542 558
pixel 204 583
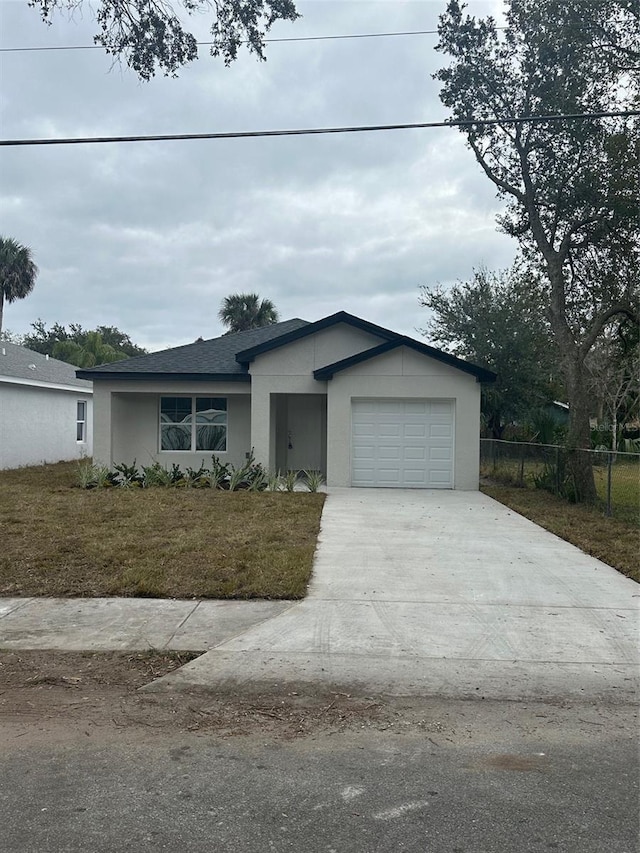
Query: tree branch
pixel 601 321
pixel 499 182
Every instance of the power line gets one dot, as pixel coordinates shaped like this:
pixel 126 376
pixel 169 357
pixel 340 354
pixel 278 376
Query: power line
pixel 315 131
pixel 210 43
pixel 243 41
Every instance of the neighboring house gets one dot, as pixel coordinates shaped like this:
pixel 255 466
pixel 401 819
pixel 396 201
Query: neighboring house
pixel 559 412
pixel 45 411
pixel 363 404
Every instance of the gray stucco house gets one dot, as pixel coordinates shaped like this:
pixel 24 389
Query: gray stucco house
pixel 363 404
pixel 45 411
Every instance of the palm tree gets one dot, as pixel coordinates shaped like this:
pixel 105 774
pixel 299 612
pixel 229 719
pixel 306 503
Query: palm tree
pixel 18 272
pixel 91 352
pixel 242 311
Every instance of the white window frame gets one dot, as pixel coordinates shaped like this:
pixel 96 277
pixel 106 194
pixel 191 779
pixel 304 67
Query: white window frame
pixel 194 423
pixel 81 423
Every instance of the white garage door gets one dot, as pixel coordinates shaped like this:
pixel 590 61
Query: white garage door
pixel 402 444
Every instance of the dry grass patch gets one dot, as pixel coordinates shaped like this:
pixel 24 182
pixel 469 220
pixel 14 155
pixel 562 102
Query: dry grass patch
pixel 60 540
pixel 614 541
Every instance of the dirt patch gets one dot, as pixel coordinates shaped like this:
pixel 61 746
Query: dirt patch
pixel 48 690
pixel 65 698
pixel 88 670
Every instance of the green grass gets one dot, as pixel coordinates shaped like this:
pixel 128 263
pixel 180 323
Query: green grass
pixel 612 540
pixel 59 540
pixel 625 489
pixel 625 483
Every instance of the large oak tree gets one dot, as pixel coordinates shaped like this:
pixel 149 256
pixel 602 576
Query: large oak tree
pixel 150 36
pixel 571 187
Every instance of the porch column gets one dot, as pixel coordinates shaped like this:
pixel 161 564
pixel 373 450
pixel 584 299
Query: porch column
pixel 263 423
pixel 102 424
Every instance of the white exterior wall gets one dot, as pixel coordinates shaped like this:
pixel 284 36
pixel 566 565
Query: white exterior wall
pixel 404 374
pixel 38 424
pixel 128 422
pixel 289 370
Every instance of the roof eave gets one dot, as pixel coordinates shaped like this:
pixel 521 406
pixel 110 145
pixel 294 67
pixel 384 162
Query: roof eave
pixel 158 376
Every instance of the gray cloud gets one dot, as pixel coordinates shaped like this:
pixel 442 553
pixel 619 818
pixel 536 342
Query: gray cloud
pixel 151 237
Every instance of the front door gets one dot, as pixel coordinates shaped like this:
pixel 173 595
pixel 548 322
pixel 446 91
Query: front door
pixel 306 432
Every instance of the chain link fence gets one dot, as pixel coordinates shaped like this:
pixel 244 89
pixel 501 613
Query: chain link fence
pixel 549 467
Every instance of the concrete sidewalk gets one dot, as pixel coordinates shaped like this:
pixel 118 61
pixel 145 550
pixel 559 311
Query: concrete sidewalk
pixel 121 624
pixel 414 592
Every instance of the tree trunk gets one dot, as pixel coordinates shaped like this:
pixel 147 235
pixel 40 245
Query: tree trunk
pixel 579 433
pixel 579 461
pixel 1 307
pixel 496 427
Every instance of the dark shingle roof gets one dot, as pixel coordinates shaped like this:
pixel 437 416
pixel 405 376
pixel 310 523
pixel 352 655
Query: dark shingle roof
pixel 228 357
pixel 391 340
pixel 18 362
pixel 212 359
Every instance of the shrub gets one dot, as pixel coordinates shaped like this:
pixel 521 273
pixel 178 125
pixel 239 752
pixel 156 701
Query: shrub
pixel 155 475
pixel 313 480
pixel 289 480
pixel 218 476
pixel 274 481
pixel 196 476
pixel 128 476
pixel 90 475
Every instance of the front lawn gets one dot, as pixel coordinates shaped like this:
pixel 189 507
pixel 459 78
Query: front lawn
pixel 60 540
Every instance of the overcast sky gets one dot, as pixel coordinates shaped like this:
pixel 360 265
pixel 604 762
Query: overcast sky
pixel 150 237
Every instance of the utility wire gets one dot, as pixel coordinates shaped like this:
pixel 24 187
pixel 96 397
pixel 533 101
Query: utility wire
pixel 244 41
pixel 266 41
pixel 252 134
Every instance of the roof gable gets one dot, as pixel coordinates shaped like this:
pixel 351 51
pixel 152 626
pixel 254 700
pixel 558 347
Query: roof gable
pixel 246 356
pixel 329 371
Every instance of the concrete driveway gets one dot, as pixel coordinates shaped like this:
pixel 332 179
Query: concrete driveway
pixel 441 592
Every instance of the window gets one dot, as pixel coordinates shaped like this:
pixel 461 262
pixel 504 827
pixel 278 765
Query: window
pixel 193 423
pixel 81 421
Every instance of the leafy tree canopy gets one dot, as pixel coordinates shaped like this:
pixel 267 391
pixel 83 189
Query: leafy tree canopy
pixel 77 346
pixel 570 187
pixel 242 311
pixel 494 321
pixel 149 36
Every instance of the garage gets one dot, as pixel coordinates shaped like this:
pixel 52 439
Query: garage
pixel 402 444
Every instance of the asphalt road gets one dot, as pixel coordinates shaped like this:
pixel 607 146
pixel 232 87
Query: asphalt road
pixel 436 777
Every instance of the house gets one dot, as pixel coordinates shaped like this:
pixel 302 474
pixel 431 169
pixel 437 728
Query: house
pixel 363 404
pixel 45 411
pixel 558 412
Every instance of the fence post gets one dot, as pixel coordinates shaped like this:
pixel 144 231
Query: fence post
pixel 609 466
pixel 557 470
pixel 521 473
